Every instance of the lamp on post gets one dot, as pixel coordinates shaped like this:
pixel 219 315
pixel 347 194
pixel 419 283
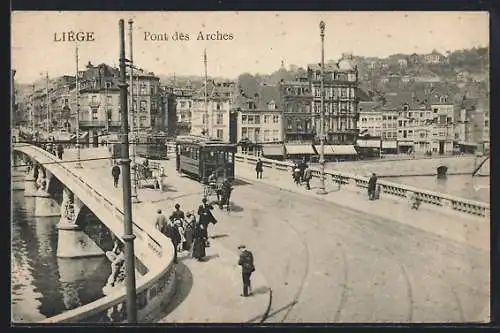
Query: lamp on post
pixel 128 236
pixel 321 189
pixel 77 88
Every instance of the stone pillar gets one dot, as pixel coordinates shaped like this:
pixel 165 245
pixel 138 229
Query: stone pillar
pixel 73 242
pixel 44 204
pixel 30 187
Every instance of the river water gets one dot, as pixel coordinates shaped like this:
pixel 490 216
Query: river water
pixel 463 186
pixel 43 285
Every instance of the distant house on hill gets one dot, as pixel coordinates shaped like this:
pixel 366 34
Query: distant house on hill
pixel 435 58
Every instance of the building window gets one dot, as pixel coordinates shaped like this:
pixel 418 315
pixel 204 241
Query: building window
pixel 244 119
pixel 250 120
pixel 257 134
pixel 94 114
pixel 343 92
pixel 257 120
pixel 143 106
pixel 142 89
pixel 218 106
pixel 267 119
pixel 275 119
pixel 219 118
pixel 220 133
pixel 244 133
pixel 204 119
pixel 266 135
pixel 276 135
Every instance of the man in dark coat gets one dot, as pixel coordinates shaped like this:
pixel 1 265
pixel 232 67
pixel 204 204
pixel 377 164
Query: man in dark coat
pixel 308 177
pixel 60 151
pixel 115 172
pixel 206 216
pixel 302 167
pixel 258 168
pixel 372 184
pixel 247 268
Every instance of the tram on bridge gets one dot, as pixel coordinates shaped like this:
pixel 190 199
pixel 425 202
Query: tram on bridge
pixel 198 157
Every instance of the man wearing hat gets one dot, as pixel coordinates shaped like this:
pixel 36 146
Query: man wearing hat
pixel 206 216
pixel 247 268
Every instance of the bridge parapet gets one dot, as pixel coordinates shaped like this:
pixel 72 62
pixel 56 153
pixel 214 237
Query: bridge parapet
pixel 401 191
pixel 154 289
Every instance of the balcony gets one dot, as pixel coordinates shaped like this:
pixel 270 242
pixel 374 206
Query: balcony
pixel 99 123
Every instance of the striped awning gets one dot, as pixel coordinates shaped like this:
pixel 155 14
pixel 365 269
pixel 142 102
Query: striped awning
pixel 300 150
pixel 328 149
pixel 272 150
pixel 369 143
pixel 389 144
pixel 338 149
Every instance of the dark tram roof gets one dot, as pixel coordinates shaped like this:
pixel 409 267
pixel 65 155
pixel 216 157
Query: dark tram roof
pixel 201 140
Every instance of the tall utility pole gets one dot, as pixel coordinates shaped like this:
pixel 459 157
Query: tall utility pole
pixel 77 88
pixel 322 190
pixel 106 106
pixel 206 91
pixel 32 113
pixel 128 236
pixel 133 112
pixel 48 100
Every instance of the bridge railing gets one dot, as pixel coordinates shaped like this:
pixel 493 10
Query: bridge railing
pixel 401 191
pixel 154 289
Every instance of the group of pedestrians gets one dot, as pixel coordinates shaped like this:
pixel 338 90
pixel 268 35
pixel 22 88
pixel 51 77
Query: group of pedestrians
pixel 185 231
pixel 53 148
pixel 302 173
pixel 190 234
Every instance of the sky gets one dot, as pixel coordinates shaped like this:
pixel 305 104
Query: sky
pixel 260 40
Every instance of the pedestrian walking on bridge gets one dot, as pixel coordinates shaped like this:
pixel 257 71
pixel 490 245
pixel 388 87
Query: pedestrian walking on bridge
pixel 247 268
pixel 115 172
pixel 307 177
pixel 259 168
pixel 372 185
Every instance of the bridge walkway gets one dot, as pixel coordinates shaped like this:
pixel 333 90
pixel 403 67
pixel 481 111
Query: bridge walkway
pixel 443 222
pixel 198 296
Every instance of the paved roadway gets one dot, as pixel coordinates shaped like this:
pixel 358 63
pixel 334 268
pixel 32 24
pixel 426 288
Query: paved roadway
pixel 328 263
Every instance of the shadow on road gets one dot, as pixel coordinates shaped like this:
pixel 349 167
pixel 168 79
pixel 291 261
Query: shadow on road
pixel 219 236
pixel 235 208
pixel 260 290
pixel 184 281
pixel 210 257
pixel 240 182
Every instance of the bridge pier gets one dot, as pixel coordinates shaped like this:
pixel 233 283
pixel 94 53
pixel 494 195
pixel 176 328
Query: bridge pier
pixel 30 187
pixel 72 241
pixel 45 206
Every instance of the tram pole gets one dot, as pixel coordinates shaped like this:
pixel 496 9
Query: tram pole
pixel 133 110
pixel 128 236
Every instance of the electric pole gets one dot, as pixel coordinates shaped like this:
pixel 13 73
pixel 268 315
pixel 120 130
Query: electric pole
pixel 322 190
pixel 48 101
pixel 128 236
pixel 77 87
pixel 206 92
pixel 133 111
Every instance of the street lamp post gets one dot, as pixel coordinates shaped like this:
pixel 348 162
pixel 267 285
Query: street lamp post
pixel 133 111
pixel 322 119
pixel 47 101
pixel 128 236
pixel 77 88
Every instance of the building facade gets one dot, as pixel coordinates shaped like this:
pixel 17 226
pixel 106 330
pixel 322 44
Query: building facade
pixel 340 100
pixel 211 115
pixel 298 120
pixel 184 109
pixel 259 120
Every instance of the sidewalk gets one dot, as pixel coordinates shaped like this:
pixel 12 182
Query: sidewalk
pixel 447 224
pixel 207 292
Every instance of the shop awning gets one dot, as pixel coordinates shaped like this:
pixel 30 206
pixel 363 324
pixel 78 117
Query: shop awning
pixel 328 149
pixel 300 150
pixel 389 144
pixel 272 150
pixel 369 143
pixel 344 150
pixel 406 143
pixel 463 143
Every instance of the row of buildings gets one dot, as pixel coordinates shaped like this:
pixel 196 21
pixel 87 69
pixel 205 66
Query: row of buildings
pixel 269 119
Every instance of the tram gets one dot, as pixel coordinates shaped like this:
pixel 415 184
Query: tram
pixel 197 157
pixel 152 145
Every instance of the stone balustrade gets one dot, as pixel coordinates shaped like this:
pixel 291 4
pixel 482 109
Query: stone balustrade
pixel 401 191
pixel 153 249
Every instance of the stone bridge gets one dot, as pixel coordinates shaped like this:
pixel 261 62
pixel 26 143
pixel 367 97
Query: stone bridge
pixel 361 240
pixel 59 191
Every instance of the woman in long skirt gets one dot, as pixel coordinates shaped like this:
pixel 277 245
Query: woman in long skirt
pixel 199 242
pixel 189 231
